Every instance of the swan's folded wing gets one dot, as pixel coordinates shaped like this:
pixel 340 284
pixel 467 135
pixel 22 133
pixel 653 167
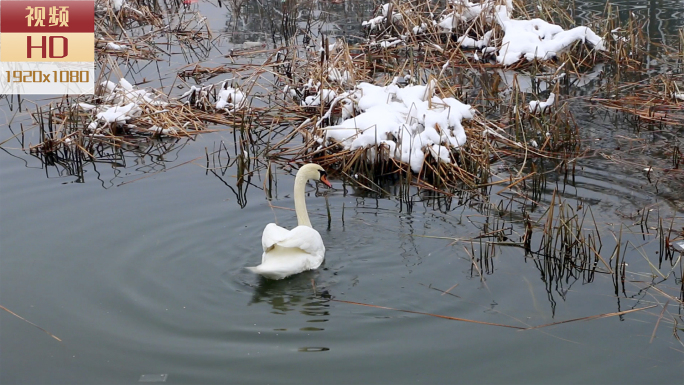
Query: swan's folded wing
pixel 288 252
pixel 272 235
pixel 305 238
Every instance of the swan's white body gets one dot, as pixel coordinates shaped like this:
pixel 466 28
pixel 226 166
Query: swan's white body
pixel 289 252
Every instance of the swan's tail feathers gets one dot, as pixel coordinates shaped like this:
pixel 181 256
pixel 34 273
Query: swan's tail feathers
pixel 268 273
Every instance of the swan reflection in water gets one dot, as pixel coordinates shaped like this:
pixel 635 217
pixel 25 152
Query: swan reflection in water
pixel 293 294
pixel 294 298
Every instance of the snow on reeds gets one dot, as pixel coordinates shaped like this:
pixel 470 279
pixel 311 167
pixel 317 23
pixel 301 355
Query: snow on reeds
pixel 488 26
pixel 409 121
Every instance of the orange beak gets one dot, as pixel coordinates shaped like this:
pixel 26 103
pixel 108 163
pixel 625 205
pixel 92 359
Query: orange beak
pixel 324 179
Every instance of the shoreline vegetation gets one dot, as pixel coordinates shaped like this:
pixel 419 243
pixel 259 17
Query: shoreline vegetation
pixel 473 103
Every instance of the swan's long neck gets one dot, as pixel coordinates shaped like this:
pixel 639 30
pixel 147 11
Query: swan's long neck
pixel 300 203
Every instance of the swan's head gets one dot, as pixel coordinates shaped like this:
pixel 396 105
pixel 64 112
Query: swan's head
pixel 315 172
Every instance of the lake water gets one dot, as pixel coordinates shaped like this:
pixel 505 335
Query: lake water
pixel 138 267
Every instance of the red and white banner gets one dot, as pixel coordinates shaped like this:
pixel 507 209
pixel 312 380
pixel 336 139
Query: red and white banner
pixel 47 47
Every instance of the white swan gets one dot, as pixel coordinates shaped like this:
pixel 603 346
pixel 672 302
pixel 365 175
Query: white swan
pixel 288 252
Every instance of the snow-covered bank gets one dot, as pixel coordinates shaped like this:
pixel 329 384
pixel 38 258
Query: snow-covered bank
pixel 407 122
